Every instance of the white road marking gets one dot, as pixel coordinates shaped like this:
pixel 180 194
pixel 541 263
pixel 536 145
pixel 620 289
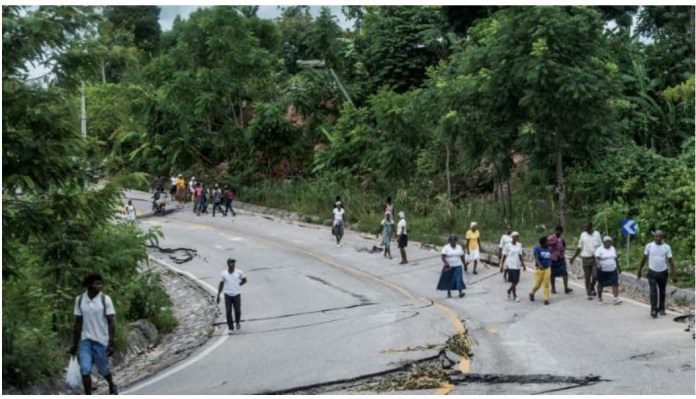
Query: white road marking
pixel 191 361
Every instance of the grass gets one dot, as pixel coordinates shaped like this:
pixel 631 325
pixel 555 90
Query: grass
pixel 432 219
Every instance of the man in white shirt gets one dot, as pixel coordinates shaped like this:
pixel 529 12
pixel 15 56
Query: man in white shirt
pixel 658 254
pixel 337 229
pixel 589 241
pixel 94 332
pixel 512 259
pixel 402 237
pixel 231 280
pixel 505 239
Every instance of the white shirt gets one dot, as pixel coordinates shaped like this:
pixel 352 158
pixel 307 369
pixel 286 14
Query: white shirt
pixel 338 215
pixel 173 180
pixel 192 185
pixel 513 252
pixel 453 256
pixel 589 243
pixel 94 324
pixel 231 281
pixel 401 227
pixel 657 256
pixel 130 211
pixel 504 240
pixel 607 258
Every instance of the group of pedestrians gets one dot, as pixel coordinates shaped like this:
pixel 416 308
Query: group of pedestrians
pixel 200 195
pixel 600 262
pixel 387 228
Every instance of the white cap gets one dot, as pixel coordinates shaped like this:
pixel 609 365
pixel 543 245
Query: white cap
pixel 193 177
pixel 402 214
pixel 515 234
pixel 473 224
pixel 606 238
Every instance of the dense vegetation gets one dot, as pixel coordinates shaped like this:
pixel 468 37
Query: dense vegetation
pixel 528 115
pixel 57 227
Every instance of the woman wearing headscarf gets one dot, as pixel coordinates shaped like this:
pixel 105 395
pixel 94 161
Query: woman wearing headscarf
pixel 451 277
pixel 388 233
pixel 607 270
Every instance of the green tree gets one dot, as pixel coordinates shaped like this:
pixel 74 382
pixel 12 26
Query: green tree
pixel 390 45
pixel 551 64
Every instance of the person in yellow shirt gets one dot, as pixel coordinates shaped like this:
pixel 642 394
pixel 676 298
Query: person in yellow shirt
pixel 472 246
pixel 180 189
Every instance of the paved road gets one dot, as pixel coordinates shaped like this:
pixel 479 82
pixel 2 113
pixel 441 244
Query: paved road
pixel 314 313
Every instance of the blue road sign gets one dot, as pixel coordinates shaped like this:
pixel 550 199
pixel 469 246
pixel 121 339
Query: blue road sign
pixel 629 227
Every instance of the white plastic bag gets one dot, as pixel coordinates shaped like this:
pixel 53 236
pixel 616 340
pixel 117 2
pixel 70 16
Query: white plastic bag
pixel 73 377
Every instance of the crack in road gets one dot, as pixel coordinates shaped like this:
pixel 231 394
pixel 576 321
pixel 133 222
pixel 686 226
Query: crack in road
pixel 400 378
pixel 188 253
pixel 361 298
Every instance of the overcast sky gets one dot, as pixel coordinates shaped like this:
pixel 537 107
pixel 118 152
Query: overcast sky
pixel 168 14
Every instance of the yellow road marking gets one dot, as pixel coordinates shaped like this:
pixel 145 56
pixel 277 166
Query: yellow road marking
pixel 491 329
pixel 444 389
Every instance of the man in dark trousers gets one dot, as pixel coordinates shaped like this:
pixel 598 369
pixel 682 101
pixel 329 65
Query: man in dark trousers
pixel 94 332
pixel 231 280
pixel 658 254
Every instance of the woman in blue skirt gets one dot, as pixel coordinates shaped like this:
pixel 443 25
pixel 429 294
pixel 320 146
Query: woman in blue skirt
pixel 607 270
pixel 451 277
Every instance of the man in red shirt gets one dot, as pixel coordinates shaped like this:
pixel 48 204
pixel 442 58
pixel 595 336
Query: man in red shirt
pixel 557 244
pixel 198 198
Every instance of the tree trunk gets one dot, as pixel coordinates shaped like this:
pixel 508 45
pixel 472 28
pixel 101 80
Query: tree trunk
pixel 447 171
pixel 559 178
pixel 509 192
pixel 103 71
pixel 691 30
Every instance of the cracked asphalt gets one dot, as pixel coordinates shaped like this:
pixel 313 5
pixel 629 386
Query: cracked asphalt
pixel 313 314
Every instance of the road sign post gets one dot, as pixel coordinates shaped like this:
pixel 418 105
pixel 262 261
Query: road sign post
pixel 629 227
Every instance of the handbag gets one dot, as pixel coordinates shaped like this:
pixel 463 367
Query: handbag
pixel 447 268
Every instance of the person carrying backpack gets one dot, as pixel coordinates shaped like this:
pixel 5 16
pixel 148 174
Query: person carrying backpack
pixel 94 332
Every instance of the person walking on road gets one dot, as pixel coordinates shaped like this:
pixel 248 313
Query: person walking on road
pixel 588 243
pixel 180 189
pixel 451 276
pixel 94 332
pixel 217 200
pixel 389 206
pixel 172 190
pixel 337 230
pixel 505 239
pixel 130 211
pixel 658 254
pixel 402 234
pixel 557 243
pixel 192 189
pixel 388 232
pixel 229 196
pixel 198 199
pixel 607 270
pixel 542 274
pixel 472 246
pixel 512 258
pixel 230 281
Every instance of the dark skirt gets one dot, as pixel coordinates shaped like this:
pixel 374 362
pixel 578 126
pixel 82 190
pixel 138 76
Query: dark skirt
pixel 558 268
pixel 337 230
pixel 451 280
pixel 403 241
pixel 513 276
pixel 608 279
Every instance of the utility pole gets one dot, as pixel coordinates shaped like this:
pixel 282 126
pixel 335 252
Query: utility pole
pixel 83 120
